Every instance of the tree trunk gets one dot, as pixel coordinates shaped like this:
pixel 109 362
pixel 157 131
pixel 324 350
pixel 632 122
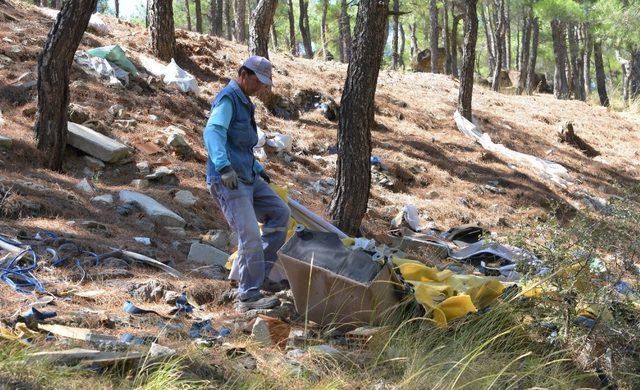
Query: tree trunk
pixel 54 63
pixel 577 73
pixel 414 39
pixel 600 76
pixel 163 40
pixel 396 33
pixel 216 10
pixel 454 44
pixel 533 57
pixel 587 46
pixel 117 7
pixel 228 21
pixel 188 13
pixel 446 38
pixel 198 16
pixel 323 29
pixel 292 30
pixel 465 93
pixel 349 203
pixel 499 39
pixel 634 75
pixel 240 23
pixel 305 32
pixel 526 51
pixel 433 37
pixel 261 22
pixel 274 36
pixel 488 38
pixel 508 40
pixel 403 40
pixel 560 84
pixel 518 57
pixel 345 32
pixel 146 14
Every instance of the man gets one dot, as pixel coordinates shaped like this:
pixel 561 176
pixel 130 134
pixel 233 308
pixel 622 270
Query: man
pixel 240 185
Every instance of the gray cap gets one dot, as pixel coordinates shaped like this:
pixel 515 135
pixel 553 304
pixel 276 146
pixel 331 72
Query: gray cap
pixel 262 68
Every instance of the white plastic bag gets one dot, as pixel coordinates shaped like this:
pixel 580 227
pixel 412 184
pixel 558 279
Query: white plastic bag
pixel 101 68
pixel 95 22
pixel 175 75
pixel 280 142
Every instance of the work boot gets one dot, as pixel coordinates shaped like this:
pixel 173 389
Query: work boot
pixel 258 302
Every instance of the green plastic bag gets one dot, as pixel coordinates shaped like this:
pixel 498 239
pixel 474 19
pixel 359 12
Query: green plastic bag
pixel 116 55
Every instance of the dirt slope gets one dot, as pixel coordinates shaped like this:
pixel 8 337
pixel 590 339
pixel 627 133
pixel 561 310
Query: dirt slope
pixel 430 163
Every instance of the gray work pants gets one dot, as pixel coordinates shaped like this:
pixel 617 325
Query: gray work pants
pixel 243 208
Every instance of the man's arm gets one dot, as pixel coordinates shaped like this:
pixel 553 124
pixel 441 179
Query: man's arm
pixel 215 133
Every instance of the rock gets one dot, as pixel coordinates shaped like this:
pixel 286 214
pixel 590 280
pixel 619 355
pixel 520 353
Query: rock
pixel 157 351
pixel 126 209
pixel 153 118
pixel 78 113
pixel 143 167
pixel 163 175
pixel 178 144
pixel 145 226
pixel 325 350
pixel 117 110
pixel 206 254
pixel 139 183
pixel 185 198
pixel 143 240
pixel 176 231
pixel 85 186
pixel 96 144
pixel 160 215
pixel 5 142
pixel 214 272
pixel 270 331
pixel 126 124
pixel 103 199
pixel 220 239
pixel 150 291
pixel 93 163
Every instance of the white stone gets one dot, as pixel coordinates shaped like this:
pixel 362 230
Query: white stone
pixel 93 163
pixel 176 140
pixel 140 183
pixel 116 110
pixel 260 332
pixel 153 118
pixel 143 240
pixel 206 254
pixel 176 231
pixel 85 186
pixel 143 167
pixel 174 130
pixel 159 351
pixel 158 213
pixel 104 199
pixel 185 198
pixel 96 144
pixel 324 349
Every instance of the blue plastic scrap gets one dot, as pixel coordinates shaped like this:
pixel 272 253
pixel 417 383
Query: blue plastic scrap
pixel 375 160
pixel 34 316
pixel 206 329
pixel 183 305
pixel 130 308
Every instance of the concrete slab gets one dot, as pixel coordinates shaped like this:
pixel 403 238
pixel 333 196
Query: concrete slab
pixel 158 213
pixel 96 144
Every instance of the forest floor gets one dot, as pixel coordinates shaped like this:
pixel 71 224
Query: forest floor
pixel 427 162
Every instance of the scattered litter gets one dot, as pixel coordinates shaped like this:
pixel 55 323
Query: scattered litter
pixel 115 55
pixel 408 214
pixel 95 22
pixel 376 161
pixel 77 356
pixel 130 308
pixel 554 172
pixel 149 261
pixel 78 334
pixel 324 186
pixel 280 142
pixel 143 240
pixel 102 69
pixel 32 316
pixel 91 294
pixel 171 74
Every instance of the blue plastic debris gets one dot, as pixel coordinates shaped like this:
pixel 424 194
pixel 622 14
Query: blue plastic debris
pixel 130 308
pixel 224 332
pixel 183 305
pixel 128 338
pixel 197 328
pixel 375 160
pixel 34 316
pixel 585 322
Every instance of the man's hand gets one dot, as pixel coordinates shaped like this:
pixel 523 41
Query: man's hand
pixel 265 177
pixel 229 177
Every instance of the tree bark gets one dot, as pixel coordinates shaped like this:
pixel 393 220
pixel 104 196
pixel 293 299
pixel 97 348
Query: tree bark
pixel 228 21
pixel 508 39
pixel 403 40
pixel 216 10
pixel 634 75
pixel 577 73
pixel 533 57
pixel 526 52
pixel 188 14
pixel 414 39
pixel 345 32
pixel 305 32
pixel 117 8
pixel 433 37
pixel 465 93
pixel 198 15
pixel 560 84
pixel 54 63
pixel 323 29
pixel 396 33
pixel 349 203
pixel 240 17
pixel 488 37
pixel 163 40
pixel 454 44
pixel 261 22
pixel 499 39
pixel 446 38
pixel 600 75
pixel 274 36
pixel 292 31
pixel 586 54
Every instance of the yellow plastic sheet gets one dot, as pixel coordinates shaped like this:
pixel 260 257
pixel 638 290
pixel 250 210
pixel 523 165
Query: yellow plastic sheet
pixel 448 296
pixel 21 333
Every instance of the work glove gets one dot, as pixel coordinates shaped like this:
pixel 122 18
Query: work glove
pixel 229 177
pixel 265 177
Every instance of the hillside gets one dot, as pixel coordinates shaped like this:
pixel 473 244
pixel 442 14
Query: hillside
pixel 427 161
